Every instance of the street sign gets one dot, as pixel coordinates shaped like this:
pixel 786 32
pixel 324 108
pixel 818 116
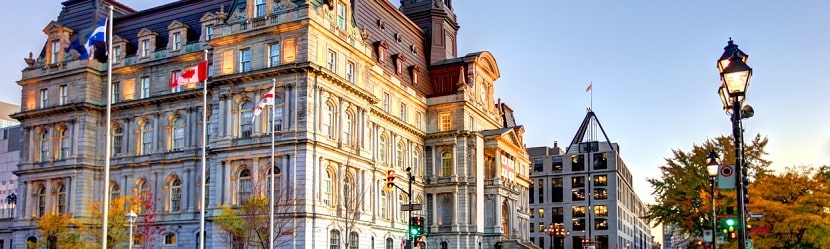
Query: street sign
pixel 707 236
pixel 411 207
pixel 722 216
pixel 726 177
pixel 756 216
pixel 748 243
pixel 760 229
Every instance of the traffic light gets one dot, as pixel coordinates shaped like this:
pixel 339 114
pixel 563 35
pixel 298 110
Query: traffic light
pixel 416 227
pixel 390 179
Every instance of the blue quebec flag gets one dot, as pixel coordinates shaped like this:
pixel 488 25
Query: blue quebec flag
pixel 98 35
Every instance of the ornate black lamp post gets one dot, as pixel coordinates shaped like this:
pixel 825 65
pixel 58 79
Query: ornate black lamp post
pixel 712 169
pixel 11 200
pixel 735 75
pixel 556 230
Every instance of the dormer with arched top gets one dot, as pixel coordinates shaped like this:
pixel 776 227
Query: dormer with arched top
pixel 56 42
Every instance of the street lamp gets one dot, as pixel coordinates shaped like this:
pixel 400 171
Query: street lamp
pixel 131 216
pixel 712 169
pixel 735 75
pixel 556 230
pixel 11 200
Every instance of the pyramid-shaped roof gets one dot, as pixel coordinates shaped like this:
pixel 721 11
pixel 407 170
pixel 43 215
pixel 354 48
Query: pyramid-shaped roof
pixel 588 131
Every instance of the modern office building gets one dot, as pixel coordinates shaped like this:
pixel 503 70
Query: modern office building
pixel 363 89
pixel 10 142
pixel 586 189
pixel 6 110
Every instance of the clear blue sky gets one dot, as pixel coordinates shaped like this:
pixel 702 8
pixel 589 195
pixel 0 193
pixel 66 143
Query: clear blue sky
pixel 652 64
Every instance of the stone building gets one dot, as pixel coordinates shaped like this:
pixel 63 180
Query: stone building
pixel 363 88
pixel 587 190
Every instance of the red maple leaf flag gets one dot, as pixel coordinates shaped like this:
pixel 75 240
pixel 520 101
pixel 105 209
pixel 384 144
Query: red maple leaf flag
pixel 192 74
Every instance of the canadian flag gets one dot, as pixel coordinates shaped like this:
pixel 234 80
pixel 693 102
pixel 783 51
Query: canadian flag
pixel 192 74
pixel 268 99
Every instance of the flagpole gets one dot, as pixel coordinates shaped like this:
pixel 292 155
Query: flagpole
pixel 273 119
pixel 108 128
pixel 202 233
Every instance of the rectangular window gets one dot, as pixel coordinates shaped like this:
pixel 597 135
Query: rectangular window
pixel 578 225
pixel 419 120
pixel 177 41
pixel 541 190
pixel 578 162
pixel 557 215
pixel 578 182
pixel 332 61
pixel 56 52
pixel 116 55
pixel 386 102
pixel 178 88
pixel 341 15
pixel 600 180
pixel 245 60
pixel 145 48
pixel 114 93
pixel 44 97
pixel 556 163
pixel 445 122
pixel 578 194
pixel 259 8
pixel 274 53
pixel 208 32
pixel 64 95
pixel 556 189
pixel 65 143
pixel 350 71
pixel 403 112
pixel 144 83
pixel 600 160
pixel 600 193
pixel 117 141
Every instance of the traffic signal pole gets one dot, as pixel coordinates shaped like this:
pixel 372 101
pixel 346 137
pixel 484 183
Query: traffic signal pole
pixel 409 233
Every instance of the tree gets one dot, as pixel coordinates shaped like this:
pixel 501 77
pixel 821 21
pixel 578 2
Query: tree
pixel 145 229
pixel 246 224
pixel 117 229
pixel 61 232
pixel 795 206
pixel 351 202
pixel 682 191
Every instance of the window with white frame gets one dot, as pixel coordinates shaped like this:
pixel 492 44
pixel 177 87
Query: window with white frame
pixel 402 214
pixel 65 142
pixel 387 102
pixel 60 199
pixel 175 200
pixel 64 95
pixel 446 163
pixel 44 98
pixel 115 92
pixel 382 149
pixel 244 188
pixel 274 54
pixel 334 239
pixel 347 128
pixel 245 119
pixel 328 120
pixel 208 32
pixel 116 55
pixel 170 239
pixel 115 191
pixel 259 8
pixel 177 131
pixel 44 146
pixel 399 155
pixel 146 138
pixel 354 240
pixel 117 140
pixel 419 120
pixel 350 71
pixel 383 205
pixel 177 88
pixel 145 48
pixel 40 201
pixel 327 189
pixel 341 15
pixel 144 83
pixel 332 61
pixel 416 163
pixel 245 60
pixel 143 194
pixel 56 52
pixel 177 41
pixel 404 112
pixel 389 243
pixel 445 122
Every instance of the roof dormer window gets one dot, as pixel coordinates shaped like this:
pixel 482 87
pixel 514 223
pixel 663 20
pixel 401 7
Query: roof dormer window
pixel 399 60
pixel 381 48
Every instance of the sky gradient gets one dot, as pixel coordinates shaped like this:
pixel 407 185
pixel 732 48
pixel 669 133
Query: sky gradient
pixel 652 65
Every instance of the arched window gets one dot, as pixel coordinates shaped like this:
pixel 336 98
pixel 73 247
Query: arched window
pixel 144 197
pixel 177 131
pixel 389 243
pixel 31 241
pixel 505 219
pixel 206 200
pixel 446 163
pixel 416 163
pixel 328 120
pixel 334 239
pixel 175 195
pixel 40 199
pixel 117 140
pixel 65 143
pixel 277 172
pixel 243 185
pixel 354 241
pixel 44 146
pixel 399 155
pixel 60 198
pixel 115 191
pixel 327 189
pixel 383 204
pixel 146 138
pixel 444 245
pixel 402 214
pixel 347 129
pixel 245 118
pixel 277 114
pixel 382 149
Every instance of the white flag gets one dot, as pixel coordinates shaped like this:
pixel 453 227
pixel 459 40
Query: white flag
pixel 268 99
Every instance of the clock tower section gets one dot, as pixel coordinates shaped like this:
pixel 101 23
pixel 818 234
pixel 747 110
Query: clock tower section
pixel 437 19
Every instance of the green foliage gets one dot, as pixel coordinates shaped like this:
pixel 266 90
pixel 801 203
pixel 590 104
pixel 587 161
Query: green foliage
pixel 682 191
